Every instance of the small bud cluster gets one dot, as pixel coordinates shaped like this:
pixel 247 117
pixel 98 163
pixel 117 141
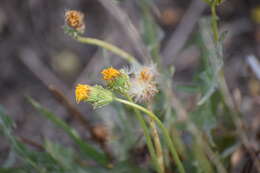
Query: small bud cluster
pixel 117 80
pixel 141 86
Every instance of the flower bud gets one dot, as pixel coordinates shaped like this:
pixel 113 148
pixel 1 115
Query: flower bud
pixel 96 95
pixel 117 80
pixel 75 20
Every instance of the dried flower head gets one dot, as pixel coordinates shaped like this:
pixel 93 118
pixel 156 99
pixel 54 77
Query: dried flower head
pixel 143 85
pixel 96 95
pixel 147 74
pixel 75 20
pixel 117 80
pixel 110 73
pixel 82 92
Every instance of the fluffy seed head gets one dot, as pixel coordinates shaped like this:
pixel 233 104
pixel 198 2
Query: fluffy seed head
pixel 143 85
pixel 82 92
pixel 142 91
pixel 75 19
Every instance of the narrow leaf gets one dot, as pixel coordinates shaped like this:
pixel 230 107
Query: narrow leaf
pixel 88 150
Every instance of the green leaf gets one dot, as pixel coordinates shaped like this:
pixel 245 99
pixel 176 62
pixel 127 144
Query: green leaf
pixel 204 117
pixel 12 170
pixel 6 122
pixel 150 31
pixel 213 59
pixel 87 149
pixel 62 155
pixel 202 162
pixel 36 161
pixel 127 167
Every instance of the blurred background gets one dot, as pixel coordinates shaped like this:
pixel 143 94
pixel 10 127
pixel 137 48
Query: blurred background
pixel 38 60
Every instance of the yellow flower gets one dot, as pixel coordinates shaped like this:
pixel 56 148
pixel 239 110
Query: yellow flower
pixel 110 73
pixel 82 92
pixel 96 95
pixel 75 20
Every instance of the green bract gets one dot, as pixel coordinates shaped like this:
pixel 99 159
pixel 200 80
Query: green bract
pixel 119 84
pixel 99 96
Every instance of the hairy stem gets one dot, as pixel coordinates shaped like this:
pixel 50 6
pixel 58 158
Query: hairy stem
pixel 107 46
pixel 164 131
pixel 157 143
pixel 156 139
pixel 147 138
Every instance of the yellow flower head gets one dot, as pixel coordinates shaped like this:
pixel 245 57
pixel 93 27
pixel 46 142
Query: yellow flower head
pixel 110 73
pixel 75 20
pixel 82 92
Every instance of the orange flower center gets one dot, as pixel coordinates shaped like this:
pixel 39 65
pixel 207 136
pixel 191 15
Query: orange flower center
pixel 145 75
pixel 74 19
pixel 110 73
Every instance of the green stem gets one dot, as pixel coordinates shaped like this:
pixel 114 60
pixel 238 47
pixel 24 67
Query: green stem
pixel 158 146
pixel 214 21
pixel 107 46
pixel 164 131
pixel 157 143
pixel 147 137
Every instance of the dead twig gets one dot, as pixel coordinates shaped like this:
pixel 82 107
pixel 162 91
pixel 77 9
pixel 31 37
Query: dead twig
pixel 183 31
pixel 32 143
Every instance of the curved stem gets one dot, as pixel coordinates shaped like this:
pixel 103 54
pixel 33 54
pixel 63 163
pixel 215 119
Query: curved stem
pixel 157 143
pixel 147 137
pixel 164 131
pixel 107 46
